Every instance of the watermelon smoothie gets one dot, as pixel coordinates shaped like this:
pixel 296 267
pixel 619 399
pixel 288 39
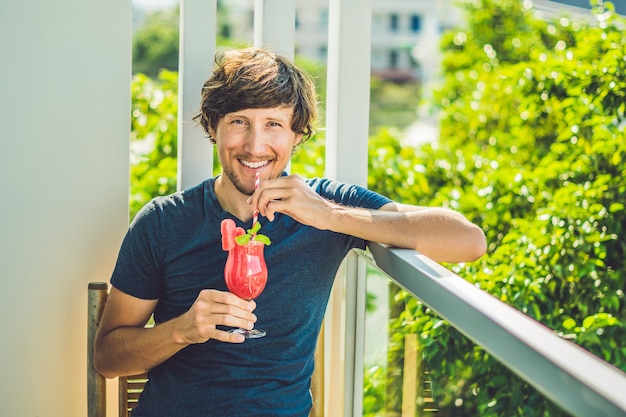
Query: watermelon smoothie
pixel 245 271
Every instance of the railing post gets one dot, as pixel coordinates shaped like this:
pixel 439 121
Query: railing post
pixel 317 380
pixel 347 115
pixel 409 376
pixel 197 50
pixel 275 26
pixel 348 90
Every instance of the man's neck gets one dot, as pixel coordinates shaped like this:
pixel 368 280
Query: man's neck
pixel 232 200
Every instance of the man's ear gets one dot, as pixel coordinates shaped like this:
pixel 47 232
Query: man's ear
pixel 212 136
pixel 298 139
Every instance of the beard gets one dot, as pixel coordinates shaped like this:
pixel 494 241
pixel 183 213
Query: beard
pixel 234 179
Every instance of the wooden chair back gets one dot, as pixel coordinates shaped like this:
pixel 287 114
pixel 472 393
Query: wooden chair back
pixel 96 383
pixel 130 387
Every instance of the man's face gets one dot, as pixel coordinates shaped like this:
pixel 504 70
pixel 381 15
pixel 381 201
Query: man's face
pixel 253 140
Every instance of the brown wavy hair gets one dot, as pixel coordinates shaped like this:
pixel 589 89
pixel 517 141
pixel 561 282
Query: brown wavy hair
pixel 253 78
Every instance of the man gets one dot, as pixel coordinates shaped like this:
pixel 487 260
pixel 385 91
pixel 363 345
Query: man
pixel 256 108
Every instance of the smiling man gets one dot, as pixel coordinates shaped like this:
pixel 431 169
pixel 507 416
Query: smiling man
pixel 256 107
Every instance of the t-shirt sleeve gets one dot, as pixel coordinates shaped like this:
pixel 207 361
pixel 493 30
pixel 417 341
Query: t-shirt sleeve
pixel 137 271
pixel 349 194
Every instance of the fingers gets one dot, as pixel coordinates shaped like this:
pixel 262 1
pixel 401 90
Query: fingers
pixel 225 298
pixel 292 196
pixel 225 308
pixel 278 195
pixel 215 308
pixel 229 337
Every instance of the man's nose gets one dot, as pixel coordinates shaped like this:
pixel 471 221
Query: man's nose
pixel 255 140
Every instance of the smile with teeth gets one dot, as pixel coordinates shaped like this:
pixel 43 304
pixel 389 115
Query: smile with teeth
pixel 257 164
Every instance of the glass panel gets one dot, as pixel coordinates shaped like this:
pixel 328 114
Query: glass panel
pixel 415 364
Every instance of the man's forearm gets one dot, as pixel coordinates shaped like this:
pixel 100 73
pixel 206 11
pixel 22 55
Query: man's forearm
pixel 441 234
pixel 133 350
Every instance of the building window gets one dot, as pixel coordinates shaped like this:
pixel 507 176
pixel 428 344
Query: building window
pixel 394 22
pixel 393 59
pixel 416 23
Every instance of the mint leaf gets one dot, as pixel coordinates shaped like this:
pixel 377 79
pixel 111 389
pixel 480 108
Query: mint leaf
pixel 243 239
pixel 263 238
pixel 255 228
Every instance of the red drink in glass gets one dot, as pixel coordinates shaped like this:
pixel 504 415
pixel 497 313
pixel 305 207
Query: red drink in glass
pixel 245 271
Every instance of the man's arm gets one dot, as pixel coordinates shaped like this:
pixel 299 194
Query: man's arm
pixel 441 234
pixel 123 346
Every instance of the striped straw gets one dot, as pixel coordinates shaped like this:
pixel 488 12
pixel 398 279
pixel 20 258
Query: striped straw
pixel 255 215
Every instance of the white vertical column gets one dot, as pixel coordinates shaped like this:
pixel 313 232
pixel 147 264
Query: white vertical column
pixel 65 128
pixel 348 90
pixel 197 50
pixel 347 116
pixel 275 26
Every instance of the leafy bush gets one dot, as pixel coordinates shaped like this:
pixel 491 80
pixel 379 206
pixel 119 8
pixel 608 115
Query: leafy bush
pixel 532 148
pixel 155 43
pixel 154 136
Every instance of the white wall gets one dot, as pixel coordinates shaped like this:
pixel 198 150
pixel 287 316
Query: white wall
pixel 64 123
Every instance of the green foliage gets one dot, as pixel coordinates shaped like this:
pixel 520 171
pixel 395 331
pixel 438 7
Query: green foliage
pixel 154 136
pixel 308 157
pixel 532 148
pixel 156 40
pixel 318 74
pixel 155 43
pixel 393 104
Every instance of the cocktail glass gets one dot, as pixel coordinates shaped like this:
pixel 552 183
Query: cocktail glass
pixel 245 273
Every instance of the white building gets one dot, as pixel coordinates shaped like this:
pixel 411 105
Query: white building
pixel 405 33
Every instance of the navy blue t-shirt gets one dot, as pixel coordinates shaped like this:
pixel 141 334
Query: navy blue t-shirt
pixel 173 250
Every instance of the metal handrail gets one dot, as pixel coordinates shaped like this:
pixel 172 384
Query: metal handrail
pixel 571 377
